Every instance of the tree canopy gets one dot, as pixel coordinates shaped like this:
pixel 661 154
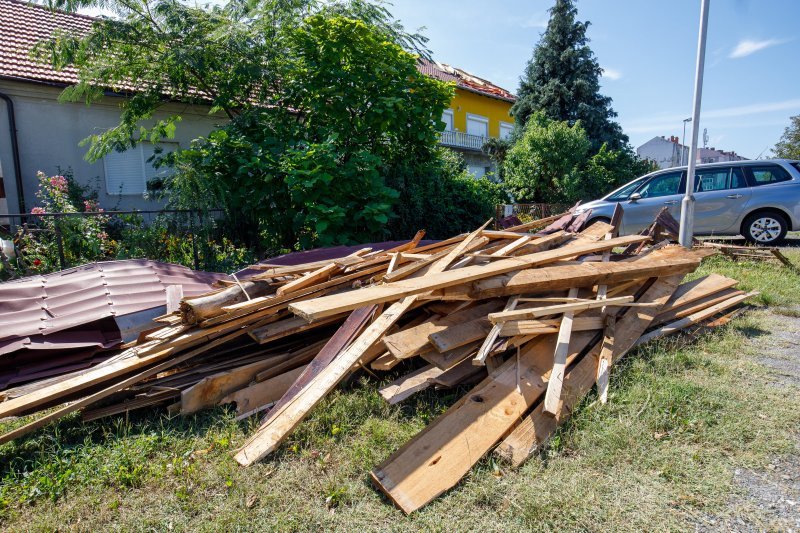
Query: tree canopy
pixel 561 81
pixel 789 145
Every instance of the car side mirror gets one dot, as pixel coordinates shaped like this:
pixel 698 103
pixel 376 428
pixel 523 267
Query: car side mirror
pixel 634 197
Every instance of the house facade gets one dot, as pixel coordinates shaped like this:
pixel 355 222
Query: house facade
pixel 666 152
pixel 38 133
pixel 479 110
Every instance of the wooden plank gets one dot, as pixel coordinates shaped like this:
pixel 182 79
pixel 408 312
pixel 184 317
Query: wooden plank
pixel 535 429
pixel 488 343
pixel 408 385
pixel 262 393
pixel 174 295
pixel 540 223
pixel 700 288
pixel 339 303
pixel 541 327
pixel 552 398
pixel 536 312
pixel 448 359
pixel 678 325
pixel 670 314
pixel 458 335
pixel 586 274
pixel 605 358
pixel 287 327
pixel 415 340
pixel 458 374
pixel 115 387
pixel 311 278
pixel 439 456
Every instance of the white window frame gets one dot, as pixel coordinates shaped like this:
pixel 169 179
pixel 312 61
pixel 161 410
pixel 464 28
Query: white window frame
pixel 451 114
pixel 508 125
pixel 143 168
pixel 478 118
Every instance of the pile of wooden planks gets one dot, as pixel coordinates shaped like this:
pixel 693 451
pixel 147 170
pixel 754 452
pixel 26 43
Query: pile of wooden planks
pixel 524 324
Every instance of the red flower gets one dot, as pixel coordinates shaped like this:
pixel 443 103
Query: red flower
pixel 37 262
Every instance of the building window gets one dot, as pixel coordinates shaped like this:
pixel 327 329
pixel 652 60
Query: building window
pixel 128 172
pixel 478 171
pixel 477 125
pixel 447 118
pixel 505 130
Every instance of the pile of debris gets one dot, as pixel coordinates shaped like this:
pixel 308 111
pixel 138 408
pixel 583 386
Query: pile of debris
pixel 531 320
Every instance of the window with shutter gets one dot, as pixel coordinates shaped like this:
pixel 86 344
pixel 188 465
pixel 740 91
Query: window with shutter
pixel 128 172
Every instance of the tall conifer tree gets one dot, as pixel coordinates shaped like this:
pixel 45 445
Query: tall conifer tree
pixel 562 81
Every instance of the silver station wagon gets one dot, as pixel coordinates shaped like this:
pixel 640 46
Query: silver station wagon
pixel 759 200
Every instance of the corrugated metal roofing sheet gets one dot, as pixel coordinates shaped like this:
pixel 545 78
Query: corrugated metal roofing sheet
pixel 55 302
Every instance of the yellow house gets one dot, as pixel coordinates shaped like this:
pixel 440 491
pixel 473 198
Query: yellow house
pixel 479 110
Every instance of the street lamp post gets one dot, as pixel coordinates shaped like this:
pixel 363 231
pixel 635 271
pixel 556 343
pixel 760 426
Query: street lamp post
pixel 687 205
pixel 683 139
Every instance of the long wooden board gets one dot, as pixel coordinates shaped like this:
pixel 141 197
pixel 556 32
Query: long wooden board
pixel 339 303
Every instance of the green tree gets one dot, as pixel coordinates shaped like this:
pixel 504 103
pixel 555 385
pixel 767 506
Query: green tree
pixel 321 98
pixel 545 162
pixel 789 145
pixel 562 81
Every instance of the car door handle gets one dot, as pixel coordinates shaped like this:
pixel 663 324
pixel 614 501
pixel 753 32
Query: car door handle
pixel 671 202
pixel 734 196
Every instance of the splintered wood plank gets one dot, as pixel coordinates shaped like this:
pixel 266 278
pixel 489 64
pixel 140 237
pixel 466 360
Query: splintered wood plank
pixel 536 312
pixel 253 397
pixel 536 428
pixel 174 296
pixel 552 398
pixel 605 357
pixel 339 303
pixel 488 343
pixel 674 313
pixel 311 278
pixel 438 457
pixel 408 385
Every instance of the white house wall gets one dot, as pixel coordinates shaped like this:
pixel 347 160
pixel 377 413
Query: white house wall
pixel 49 134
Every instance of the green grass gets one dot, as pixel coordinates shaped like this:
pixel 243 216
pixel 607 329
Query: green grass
pixel 681 417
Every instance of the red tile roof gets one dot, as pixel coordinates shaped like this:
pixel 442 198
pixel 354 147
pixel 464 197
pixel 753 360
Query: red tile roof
pixel 464 80
pixel 22 25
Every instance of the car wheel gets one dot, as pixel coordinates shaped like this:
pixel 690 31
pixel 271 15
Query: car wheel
pixel 765 228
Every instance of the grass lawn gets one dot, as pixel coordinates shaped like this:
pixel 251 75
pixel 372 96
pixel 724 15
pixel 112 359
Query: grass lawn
pixel 662 454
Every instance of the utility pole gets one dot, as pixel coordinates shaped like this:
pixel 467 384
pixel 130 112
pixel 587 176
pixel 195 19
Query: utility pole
pixel 687 205
pixel 683 139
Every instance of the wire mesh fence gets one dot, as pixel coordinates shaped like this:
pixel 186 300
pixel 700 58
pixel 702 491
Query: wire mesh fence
pixel 522 213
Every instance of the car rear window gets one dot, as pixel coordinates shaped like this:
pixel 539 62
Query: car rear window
pixel 767 174
pixel 796 165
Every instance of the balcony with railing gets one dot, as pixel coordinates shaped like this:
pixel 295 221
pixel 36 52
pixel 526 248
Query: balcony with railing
pixel 458 139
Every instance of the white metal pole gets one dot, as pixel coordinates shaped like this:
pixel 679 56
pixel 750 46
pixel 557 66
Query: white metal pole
pixel 687 205
pixel 683 140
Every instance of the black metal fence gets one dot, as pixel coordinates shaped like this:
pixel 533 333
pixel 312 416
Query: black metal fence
pixel 182 223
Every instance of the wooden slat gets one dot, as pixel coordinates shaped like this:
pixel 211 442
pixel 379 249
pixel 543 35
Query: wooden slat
pixel 331 305
pixel 257 395
pixel 552 398
pixel 536 312
pixel 488 343
pixel 408 385
pixel 540 327
pixel 536 428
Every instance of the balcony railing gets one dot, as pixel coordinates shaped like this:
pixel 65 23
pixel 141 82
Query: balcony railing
pixel 457 139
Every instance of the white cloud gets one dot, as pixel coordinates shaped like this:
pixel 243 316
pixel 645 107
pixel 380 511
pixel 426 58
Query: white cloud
pixel 669 122
pixel 611 74
pixel 539 20
pixel 750 46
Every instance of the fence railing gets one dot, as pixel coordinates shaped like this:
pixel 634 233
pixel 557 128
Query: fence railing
pixel 458 139
pixel 183 224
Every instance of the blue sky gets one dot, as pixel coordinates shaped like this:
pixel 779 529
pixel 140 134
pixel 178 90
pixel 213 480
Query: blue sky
pixel 648 48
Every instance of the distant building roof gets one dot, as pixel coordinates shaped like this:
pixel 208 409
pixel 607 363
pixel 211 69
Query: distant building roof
pixel 464 80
